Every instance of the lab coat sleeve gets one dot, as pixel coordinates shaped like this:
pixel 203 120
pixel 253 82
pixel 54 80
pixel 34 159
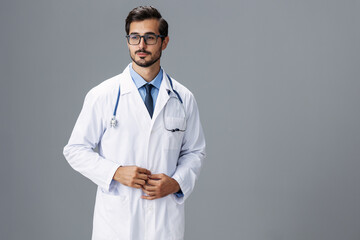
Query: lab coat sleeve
pixel 87 133
pixel 192 153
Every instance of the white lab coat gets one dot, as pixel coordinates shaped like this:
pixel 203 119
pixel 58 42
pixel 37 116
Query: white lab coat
pixel 120 213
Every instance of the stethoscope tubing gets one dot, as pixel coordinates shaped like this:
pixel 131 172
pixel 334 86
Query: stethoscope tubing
pixel 113 122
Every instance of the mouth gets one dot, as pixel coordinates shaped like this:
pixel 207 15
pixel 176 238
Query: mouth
pixel 142 53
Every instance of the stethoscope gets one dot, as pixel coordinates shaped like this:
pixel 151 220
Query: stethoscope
pixel 172 100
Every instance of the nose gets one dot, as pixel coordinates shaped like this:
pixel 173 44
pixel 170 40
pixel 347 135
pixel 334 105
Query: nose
pixel 142 43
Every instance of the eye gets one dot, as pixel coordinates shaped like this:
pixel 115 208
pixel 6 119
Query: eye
pixel 150 36
pixel 134 36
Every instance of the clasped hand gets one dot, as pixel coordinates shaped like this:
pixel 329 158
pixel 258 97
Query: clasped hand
pixel 153 185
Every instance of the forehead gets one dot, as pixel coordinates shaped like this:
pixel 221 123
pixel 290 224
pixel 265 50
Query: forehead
pixel 145 26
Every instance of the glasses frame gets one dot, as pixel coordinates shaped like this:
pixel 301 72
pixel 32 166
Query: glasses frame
pixel 144 36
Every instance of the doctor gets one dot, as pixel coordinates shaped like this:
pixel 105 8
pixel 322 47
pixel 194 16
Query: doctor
pixel 150 141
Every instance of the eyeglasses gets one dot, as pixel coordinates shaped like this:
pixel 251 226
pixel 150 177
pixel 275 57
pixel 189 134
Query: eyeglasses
pixel 149 38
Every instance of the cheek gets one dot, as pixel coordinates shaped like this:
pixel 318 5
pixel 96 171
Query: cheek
pixel 132 52
pixel 158 50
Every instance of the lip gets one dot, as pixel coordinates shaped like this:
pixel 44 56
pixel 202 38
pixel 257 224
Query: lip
pixel 142 54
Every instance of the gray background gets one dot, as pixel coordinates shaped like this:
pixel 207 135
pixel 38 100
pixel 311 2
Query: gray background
pixel 277 83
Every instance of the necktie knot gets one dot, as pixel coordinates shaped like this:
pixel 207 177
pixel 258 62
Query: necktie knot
pixel 148 88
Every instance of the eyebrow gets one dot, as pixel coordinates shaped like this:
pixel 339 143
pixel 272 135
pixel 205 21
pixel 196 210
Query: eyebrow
pixel 145 33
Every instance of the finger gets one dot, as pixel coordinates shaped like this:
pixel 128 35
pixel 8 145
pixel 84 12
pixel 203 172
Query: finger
pixel 156 176
pixel 149 187
pixel 153 182
pixel 136 185
pixel 139 182
pixel 143 170
pixel 142 176
pixel 149 193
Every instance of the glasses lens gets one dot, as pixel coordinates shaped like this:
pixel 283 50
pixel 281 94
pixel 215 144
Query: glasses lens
pixel 134 39
pixel 150 39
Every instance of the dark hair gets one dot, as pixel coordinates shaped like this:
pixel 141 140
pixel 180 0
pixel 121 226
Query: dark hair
pixel 146 12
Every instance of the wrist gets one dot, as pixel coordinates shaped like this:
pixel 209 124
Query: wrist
pixel 116 174
pixel 176 186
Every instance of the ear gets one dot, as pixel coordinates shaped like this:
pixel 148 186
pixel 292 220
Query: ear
pixel 165 43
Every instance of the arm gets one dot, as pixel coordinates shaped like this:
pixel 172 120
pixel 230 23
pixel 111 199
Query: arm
pixel 87 133
pixel 192 152
pixel 80 153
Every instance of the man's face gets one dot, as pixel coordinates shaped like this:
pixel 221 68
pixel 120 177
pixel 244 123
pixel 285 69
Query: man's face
pixel 142 54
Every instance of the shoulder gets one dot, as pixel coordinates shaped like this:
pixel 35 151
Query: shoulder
pixel 186 95
pixel 105 89
pixel 181 89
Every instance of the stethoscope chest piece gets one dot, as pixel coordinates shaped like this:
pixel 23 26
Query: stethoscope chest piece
pixel 113 122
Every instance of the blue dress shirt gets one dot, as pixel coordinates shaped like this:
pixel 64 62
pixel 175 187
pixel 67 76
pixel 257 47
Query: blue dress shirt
pixel 156 82
pixel 140 84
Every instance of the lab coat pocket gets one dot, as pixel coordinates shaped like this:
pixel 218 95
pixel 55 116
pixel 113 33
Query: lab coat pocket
pixel 175 124
pixel 175 128
pixel 116 213
pixel 176 218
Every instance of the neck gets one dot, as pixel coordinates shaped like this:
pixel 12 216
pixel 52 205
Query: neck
pixel 147 73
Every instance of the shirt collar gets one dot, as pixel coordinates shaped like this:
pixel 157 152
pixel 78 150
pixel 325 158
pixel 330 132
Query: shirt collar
pixel 139 81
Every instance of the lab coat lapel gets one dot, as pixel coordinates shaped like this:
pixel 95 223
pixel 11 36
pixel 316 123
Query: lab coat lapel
pixel 163 96
pixel 135 103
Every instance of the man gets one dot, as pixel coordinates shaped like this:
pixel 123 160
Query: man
pixel 150 141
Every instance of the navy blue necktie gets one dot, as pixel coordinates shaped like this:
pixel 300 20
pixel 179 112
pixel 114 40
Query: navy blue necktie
pixel 149 100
